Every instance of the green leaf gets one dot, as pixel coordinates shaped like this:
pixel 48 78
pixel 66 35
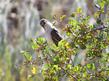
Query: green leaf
pixel 62 17
pixel 56 67
pixel 27 55
pixel 34 45
pixel 69 66
pixel 85 74
pixel 79 10
pixel 41 40
pixel 76 68
pixel 73 22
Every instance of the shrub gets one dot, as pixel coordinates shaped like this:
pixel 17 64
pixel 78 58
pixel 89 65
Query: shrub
pixel 57 62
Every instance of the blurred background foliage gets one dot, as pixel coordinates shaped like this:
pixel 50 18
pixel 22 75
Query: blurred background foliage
pixel 19 28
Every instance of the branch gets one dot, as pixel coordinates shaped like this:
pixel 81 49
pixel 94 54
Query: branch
pixel 75 79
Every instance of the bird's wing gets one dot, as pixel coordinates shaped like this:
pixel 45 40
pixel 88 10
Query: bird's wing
pixel 55 36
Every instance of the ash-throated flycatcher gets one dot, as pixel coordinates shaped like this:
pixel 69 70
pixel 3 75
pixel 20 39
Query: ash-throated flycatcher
pixel 51 33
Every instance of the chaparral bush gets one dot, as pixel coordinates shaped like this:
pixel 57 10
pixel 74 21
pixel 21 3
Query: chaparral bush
pixel 82 56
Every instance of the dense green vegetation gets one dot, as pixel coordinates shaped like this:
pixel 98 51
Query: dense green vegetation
pixel 82 56
pixel 56 62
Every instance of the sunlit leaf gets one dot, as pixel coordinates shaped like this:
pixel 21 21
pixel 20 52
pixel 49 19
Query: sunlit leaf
pixel 79 10
pixel 62 17
pixel 27 55
pixel 41 40
pixel 34 70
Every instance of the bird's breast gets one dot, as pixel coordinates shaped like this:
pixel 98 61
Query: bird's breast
pixel 48 37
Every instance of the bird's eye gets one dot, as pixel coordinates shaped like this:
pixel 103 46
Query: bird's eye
pixel 42 22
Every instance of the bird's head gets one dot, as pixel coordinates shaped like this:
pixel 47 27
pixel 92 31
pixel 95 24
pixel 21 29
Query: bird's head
pixel 45 24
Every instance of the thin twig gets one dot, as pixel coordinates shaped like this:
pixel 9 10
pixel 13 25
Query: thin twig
pixel 69 74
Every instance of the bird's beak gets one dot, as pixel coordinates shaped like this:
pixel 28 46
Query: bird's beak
pixel 42 23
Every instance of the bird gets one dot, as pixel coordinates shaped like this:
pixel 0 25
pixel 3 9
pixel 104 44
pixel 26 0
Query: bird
pixel 51 33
